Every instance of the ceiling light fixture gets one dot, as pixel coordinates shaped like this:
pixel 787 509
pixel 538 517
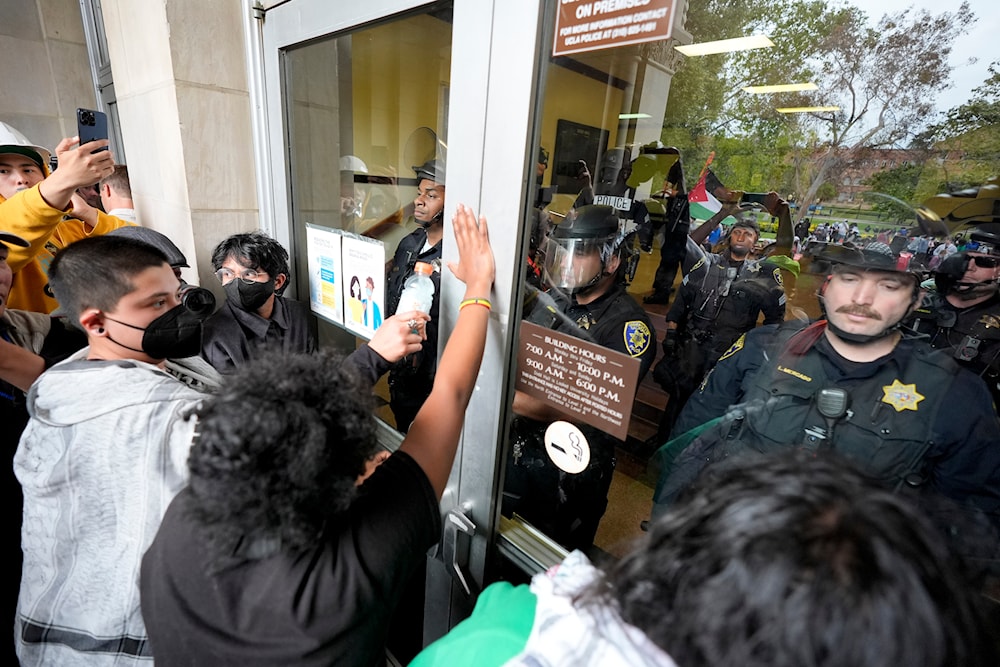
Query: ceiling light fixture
pixel 726 45
pixel 629 116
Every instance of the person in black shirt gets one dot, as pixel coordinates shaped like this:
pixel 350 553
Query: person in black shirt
pixel 253 270
pixel 286 548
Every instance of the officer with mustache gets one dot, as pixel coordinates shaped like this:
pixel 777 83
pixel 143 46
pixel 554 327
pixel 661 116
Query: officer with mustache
pixel 853 383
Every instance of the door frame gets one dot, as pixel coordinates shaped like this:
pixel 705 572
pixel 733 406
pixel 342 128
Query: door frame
pixel 494 65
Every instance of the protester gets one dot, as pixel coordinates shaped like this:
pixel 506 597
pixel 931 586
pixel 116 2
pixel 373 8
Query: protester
pixel 253 270
pixel 104 452
pixel 277 552
pixel 793 560
pixel 29 343
pixel 34 205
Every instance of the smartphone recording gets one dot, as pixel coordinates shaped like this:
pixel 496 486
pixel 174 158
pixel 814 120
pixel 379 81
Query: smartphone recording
pixel 91 126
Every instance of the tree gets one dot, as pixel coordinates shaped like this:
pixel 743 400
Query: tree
pixel 704 92
pixel 900 183
pixel 883 79
pixel 966 142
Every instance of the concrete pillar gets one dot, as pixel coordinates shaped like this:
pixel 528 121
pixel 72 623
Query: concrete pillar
pixel 46 70
pixel 181 85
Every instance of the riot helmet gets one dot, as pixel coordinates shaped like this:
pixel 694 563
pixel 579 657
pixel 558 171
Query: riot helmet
pixel 589 244
pixel 950 273
pixel 873 256
pixel 613 172
pixel 432 170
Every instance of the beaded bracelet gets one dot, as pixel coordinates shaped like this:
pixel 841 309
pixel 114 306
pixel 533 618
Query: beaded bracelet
pixel 476 302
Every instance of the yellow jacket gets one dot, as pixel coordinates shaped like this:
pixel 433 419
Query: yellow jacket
pixel 48 230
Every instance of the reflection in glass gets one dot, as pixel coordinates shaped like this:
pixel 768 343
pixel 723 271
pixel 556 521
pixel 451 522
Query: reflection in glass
pixel 362 116
pixel 667 141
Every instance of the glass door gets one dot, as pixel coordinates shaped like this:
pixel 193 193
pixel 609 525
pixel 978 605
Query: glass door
pixel 541 112
pixel 356 102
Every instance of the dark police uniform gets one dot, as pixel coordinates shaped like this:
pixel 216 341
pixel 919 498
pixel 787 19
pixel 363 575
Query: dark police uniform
pixel 411 378
pixel 568 508
pixel 719 300
pixel 970 335
pixel 674 215
pixel 900 425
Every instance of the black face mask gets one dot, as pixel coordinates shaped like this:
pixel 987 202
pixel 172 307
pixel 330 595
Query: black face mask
pixel 248 297
pixel 173 335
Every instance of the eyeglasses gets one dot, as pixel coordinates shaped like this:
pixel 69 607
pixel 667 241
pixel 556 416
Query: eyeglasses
pixel 986 262
pixel 249 276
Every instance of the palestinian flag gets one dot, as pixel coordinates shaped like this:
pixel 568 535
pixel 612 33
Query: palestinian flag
pixel 703 203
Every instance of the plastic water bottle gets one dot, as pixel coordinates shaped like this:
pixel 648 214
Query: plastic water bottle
pixel 418 290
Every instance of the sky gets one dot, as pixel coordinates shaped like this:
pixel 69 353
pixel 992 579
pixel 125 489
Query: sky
pixel 979 42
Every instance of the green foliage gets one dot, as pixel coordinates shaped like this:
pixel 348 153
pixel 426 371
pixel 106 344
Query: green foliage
pixel 971 129
pixel 901 183
pixel 826 192
pixel 885 76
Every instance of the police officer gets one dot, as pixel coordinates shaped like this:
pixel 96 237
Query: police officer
pixel 962 315
pixel 674 215
pixel 853 384
pixel 411 378
pixel 588 260
pixel 720 298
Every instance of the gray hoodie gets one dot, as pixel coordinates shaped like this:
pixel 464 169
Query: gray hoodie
pixel 103 455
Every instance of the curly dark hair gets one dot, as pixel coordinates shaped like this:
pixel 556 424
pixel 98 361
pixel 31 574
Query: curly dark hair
pixel 278 450
pixel 255 250
pixel 797 560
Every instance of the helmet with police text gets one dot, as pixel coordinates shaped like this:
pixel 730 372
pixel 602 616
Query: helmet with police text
pixel 983 249
pixel 613 171
pixel 872 256
pixel 12 141
pixel 587 245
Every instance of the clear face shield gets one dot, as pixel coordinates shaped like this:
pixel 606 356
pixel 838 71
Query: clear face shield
pixel 572 265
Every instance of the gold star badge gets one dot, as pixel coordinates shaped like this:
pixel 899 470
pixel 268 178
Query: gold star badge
pixel 902 396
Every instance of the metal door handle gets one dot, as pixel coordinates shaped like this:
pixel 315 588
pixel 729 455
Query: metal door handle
pixel 455 523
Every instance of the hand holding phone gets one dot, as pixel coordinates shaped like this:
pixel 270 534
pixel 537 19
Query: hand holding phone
pixel 753 197
pixel 91 126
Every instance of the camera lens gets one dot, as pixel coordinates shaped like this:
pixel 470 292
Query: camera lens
pixel 87 117
pixel 198 300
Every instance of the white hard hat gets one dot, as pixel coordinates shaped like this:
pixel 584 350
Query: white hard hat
pixel 353 163
pixel 12 141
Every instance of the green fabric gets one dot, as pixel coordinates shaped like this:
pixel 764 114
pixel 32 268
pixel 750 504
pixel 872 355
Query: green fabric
pixel 784 262
pixel 666 454
pixel 497 630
